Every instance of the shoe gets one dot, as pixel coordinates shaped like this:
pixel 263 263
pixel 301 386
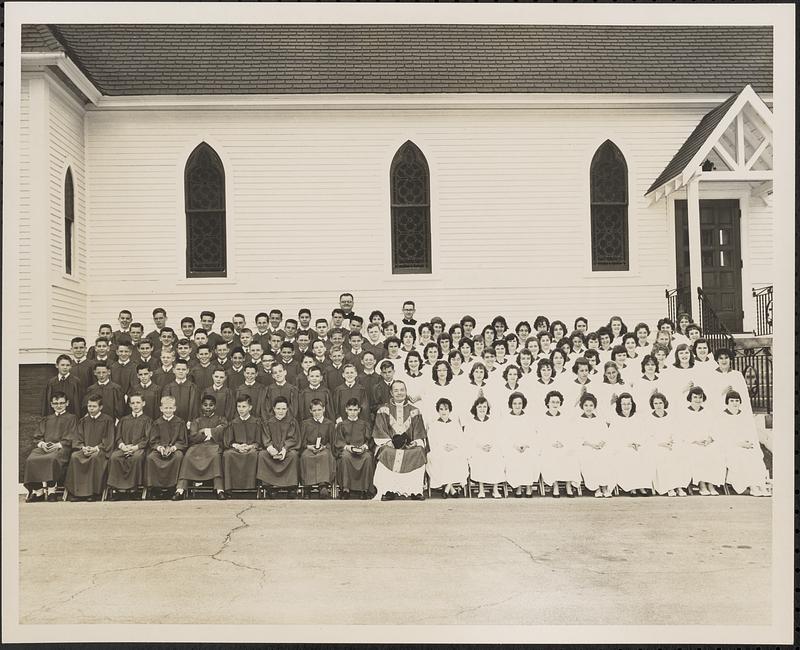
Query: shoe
pixel 34 498
pixel 324 493
pixel 91 498
pixel 445 494
pixel 221 496
pixel 388 496
pixel 571 495
pixel 418 497
pixel 52 498
pixel 345 495
pixel 178 496
pixel 366 496
pixel 556 495
pixel 682 492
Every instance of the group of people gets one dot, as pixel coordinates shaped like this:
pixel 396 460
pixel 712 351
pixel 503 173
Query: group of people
pixel 375 406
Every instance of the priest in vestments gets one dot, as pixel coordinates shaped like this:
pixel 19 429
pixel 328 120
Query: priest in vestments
pixel 399 436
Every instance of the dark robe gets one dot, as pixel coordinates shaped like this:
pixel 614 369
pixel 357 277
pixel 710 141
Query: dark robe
pixel 292 370
pixel 162 377
pixel 203 459
pixel 256 393
pixel 113 399
pixel 235 378
pixel 378 350
pixel 124 376
pixel 155 340
pixel 213 339
pixel 344 394
pixel 201 376
pixel 186 399
pixel 280 434
pixel 226 401
pixel 368 382
pixel 354 470
pixel 163 472
pixel 308 394
pixel 127 472
pixel 41 466
pixel 86 474
pixel 71 386
pixel 153 362
pixel 381 393
pixel 333 377
pixel 316 465
pixel 355 359
pixel 289 391
pixel 240 468
pixel 118 336
pixel 84 371
pixel 223 364
pixel 264 377
pixel 152 399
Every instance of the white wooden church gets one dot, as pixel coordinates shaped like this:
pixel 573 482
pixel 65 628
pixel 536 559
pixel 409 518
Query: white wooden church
pixel 482 169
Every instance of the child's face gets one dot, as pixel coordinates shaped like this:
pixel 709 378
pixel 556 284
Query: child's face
pixel 468 327
pixel 317 411
pixel 184 350
pixel 306 363
pixel 437 329
pixel 302 341
pixel 123 353
pixel 544 342
pixel 355 342
pixel 275 341
pixel 499 352
pixel 159 320
pixel 144 376
pixel 683 356
pixel 455 364
pixel 315 378
pixel 583 371
pixel 64 366
pixel 693 335
pixel 59 404
pixel 667 327
pixel 547 372
pixel 612 374
pixel 101 347
pixel 167 407
pixel 290 329
pixel 207 323
pixel 279 373
pixel 465 350
pixel 337 338
pixel 349 375
pixel 287 354
pixel 554 403
pixel 78 349
pixel 218 377
pixel 368 360
pixel 697 399
pixel 318 349
pixel 479 374
pixel 188 329
pixel 413 364
pixel 181 370
pixel 275 319
pixel 625 406
pixel 393 348
pixel 581 326
pixel 663 337
pixel 488 358
pixel 658 405
pixel 204 356
pixel 200 338
pixel 592 343
pixel 167 358
pixel 262 322
pixel 238 323
pixel 619 358
pixel 516 405
pixel 374 333
pixel 305 320
pixel 93 408
pixel 650 367
pixel 136 403
pixel 145 349
pixel 280 410
pixel 243 408
pixel 387 373
pixel 105 332
pixel 441 372
pixel 101 373
pixel 207 407
pixel 237 359
pixel 512 377
pixel 431 355
pixel 444 412
pixel 136 334
pixel 660 355
pixel 246 338
pixel 266 362
pixel 322 329
pixel 701 350
pixel 255 352
pixel 482 409
pixel 352 412
pixel 337 319
pixel 125 320
pixel 734 403
pixel 683 322
pixel 642 334
pixel 222 350
pixel 227 334
pixel 588 407
pixel 166 339
pixel 389 330
pixel 249 375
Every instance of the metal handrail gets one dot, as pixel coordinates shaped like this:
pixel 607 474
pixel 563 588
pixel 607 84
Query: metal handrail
pixel 763 298
pixel 712 327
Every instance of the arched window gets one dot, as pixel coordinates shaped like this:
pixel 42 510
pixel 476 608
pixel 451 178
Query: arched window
pixel 411 211
pixel 204 184
pixel 608 178
pixel 69 220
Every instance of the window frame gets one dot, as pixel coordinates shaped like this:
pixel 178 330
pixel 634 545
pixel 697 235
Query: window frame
pixel 215 159
pixel 394 209
pixel 596 205
pixel 69 223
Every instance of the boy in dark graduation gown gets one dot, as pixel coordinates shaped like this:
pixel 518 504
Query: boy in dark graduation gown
pixel 82 366
pixel 235 373
pixel 123 370
pixel 333 374
pixel 224 398
pixel 349 389
pixel 355 350
pixel 278 461
pixel 150 391
pixel 110 393
pixel 315 390
pixel 352 440
pixel 53 441
pixel 64 382
pixel 86 473
pixel 242 442
pixel 381 390
pixel 200 375
pixel 316 458
pixel 146 356
pixel 368 376
pixel 250 387
pixel 165 373
pixel 126 463
pixel 203 458
pixel 279 388
pixel 289 362
pixel 184 391
pixel 165 447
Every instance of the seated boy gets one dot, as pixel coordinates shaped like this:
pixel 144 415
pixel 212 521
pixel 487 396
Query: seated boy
pixel 86 473
pixel 126 463
pixel 277 462
pixel 165 447
pixel 64 382
pixel 352 441
pixel 242 442
pixel 46 464
pixel 203 458
pixel 316 460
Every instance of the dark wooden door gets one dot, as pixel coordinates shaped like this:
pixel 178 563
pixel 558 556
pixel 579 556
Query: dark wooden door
pixel 721 254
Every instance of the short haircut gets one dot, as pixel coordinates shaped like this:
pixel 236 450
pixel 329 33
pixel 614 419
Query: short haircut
pixel 168 398
pixel 443 401
pixel 304 310
pixel 125 311
pixel 468 343
pixel 238 315
pixel 159 310
pixel 544 333
pixel 250 365
pixel 515 395
pixel 77 339
pixel 356 319
pixel 455 354
pixel 732 394
pixel 386 364
pixel 276 311
pixel 97 398
pixel 411 303
pixel 292 321
pixel 627 336
pixel 692 326
pixel 208 397
pixel 200 330
pixel 588 397
pixel 101 364
pixel 138 326
pixel 63 357
pixel 698 342
pixel 181 362
pixel 287 345
pixel 352 402
pixel 135 393
pixel 124 343
pixel 666 321
pixel 315 402
pixel 553 393
pixel 481 400
pixel 99 339
pixel 218 343
pixel 321 320
pixel 227 325
pixel 337 310
pixel 278 364
pixel 661 396
pixel 143 366
pixel 144 342
pixel 355 334
pixel 468 319
pixel 696 390
pixel 346 293
pixel 618 405
pixel 187 319
pixel 168 329
pixel 105 325
pixel 208 313
pixel 316 369
pixel 243 398
pixel 280 399
pixel 204 347
pixel 237 350
pixel 262 314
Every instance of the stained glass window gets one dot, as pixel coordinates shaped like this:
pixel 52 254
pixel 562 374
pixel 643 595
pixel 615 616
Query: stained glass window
pixel 411 211
pixel 608 178
pixel 69 220
pixel 204 184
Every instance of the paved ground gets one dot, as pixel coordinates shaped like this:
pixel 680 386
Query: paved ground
pixel 539 561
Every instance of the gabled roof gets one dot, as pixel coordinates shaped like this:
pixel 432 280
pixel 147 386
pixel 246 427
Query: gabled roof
pixel 145 59
pixel 707 133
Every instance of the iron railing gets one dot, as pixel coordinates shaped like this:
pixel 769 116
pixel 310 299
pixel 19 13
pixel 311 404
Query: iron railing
pixel 710 324
pixel 755 364
pixel 678 301
pixel 763 298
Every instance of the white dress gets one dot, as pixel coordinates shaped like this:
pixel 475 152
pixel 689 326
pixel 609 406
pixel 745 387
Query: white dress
pixel 447 466
pixel 415 389
pixel 745 466
pixel 597 465
pixel 635 467
pixel 671 465
pixel 433 392
pixel 498 396
pixel 559 463
pixel 485 466
pixel 604 393
pixel 642 388
pixel 522 468
pixel 536 391
pixel 716 386
pixel 571 391
pixel 707 462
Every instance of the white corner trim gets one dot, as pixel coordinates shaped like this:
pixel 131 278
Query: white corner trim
pixel 38 60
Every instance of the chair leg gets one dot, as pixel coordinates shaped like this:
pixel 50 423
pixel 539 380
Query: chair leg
pixel 65 497
pixel 541 486
pixel 105 494
pixel 144 493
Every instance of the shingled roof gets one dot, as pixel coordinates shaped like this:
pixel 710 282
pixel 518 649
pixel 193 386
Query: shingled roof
pixel 141 59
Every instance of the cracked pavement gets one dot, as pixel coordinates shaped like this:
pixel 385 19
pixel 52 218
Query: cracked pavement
pixel 527 561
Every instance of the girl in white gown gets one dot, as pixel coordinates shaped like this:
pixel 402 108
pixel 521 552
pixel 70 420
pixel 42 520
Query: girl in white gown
pixel 448 463
pixel 536 389
pixel 497 394
pixel 522 453
pixel 743 456
pixel 596 453
pixel 579 384
pixel 647 383
pixel 440 385
pixel 486 462
pixel 634 458
pixel 607 390
pixel 472 390
pixel 724 379
pixel 559 446
pixel 706 453
pixel 416 381
pixel 669 449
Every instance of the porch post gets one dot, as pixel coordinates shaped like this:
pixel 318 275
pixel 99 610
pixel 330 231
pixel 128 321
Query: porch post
pixel 695 258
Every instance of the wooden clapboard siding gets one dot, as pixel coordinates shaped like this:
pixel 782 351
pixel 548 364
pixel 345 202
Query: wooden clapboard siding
pixel 761 242
pixel 25 316
pixel 308 210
